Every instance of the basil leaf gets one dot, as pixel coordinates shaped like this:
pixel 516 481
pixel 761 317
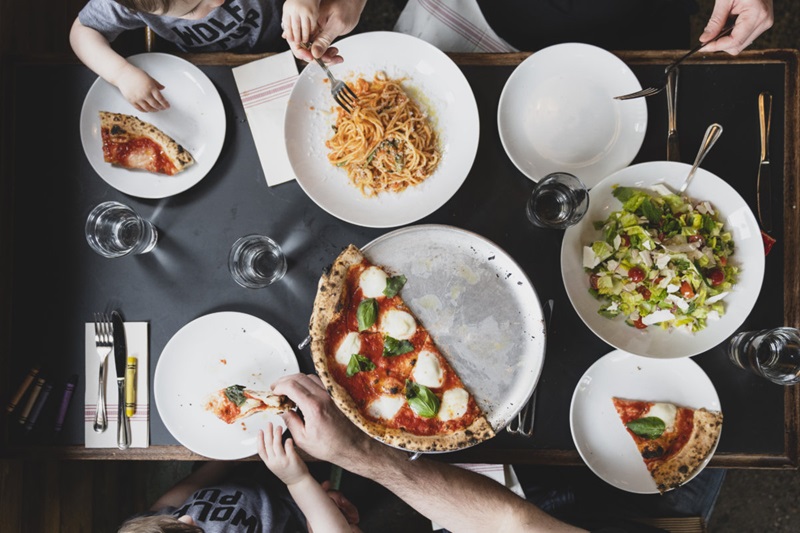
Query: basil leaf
pixel 393 285
pixel 367 313
pixel 623 194
pixel 649 427
pixel 650 211
pixel 421 400
pixel 359 363
pixel 235 393
pixel 392 346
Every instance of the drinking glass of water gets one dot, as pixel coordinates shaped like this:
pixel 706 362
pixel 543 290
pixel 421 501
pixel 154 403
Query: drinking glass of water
pixel 114 230
pixel 770 353
pixel 558 201
pixel 256 261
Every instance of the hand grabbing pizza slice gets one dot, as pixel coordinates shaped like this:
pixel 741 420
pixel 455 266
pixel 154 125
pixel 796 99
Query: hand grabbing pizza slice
pixel 133 143
pixel 673 441
pixel 381 365
pixel 237 402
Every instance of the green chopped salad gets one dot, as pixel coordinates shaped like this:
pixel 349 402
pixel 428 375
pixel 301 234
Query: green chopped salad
pixel 663 260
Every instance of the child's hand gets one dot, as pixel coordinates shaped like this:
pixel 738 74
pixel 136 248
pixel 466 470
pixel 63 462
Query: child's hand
pixel 142 91
pixel 299 20
pixel 284 462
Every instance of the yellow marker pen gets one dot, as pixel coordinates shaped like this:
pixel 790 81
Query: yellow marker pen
pixel 130 386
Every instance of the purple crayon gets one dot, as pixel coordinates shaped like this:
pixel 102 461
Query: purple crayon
pixel 65 399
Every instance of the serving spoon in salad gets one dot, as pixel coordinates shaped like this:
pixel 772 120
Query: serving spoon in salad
pixel 712 134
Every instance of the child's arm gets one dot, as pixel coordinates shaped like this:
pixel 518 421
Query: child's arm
pixel 320 510
pixel 138 88
pixel 299 20
pixel 208 474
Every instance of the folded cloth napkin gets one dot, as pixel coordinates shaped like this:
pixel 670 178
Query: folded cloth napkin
pixel 503 474
pixel 451 26
pixel 264 87
pixel 136 338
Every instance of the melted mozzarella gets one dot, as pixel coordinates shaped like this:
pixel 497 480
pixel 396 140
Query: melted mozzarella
pixel 454 404
pixel 666 412
pixel 398 324
pixel 428 371
pixel 350 344
pixel 386 406
pixel 372 282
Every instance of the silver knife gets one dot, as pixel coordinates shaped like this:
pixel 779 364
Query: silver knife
pixel 763 185
pixel 121 359
pixel 673 151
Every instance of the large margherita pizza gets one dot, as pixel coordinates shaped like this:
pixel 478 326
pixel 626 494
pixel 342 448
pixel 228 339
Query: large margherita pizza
pixel 673 441
pixel 381 365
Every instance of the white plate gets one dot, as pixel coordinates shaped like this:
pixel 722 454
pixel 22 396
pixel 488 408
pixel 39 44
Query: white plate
pixel 602 441
pixel 207 354
pixel 653 341
pixel 195 119
pixel 437 85
pixel 557 113
pixel 479 306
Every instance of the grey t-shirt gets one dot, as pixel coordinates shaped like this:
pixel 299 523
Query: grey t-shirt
pixel 235 26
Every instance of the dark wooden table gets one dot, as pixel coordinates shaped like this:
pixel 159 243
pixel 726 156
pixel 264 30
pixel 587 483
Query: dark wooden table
pixel 52 282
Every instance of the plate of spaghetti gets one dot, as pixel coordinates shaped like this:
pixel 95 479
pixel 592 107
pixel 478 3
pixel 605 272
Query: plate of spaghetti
pixel 405 148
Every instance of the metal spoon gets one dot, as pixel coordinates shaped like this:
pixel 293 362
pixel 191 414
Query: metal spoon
pixel 712 134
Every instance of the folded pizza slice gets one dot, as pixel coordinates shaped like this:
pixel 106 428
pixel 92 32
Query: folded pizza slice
pixel 673 441
pixel 133 143
pixel 237 402
pixel 382 367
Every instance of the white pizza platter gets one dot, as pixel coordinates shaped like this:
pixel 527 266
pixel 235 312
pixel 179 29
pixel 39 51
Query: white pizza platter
pixel 599 435
pixel 478 305
pixel 210 353
pixel 195 119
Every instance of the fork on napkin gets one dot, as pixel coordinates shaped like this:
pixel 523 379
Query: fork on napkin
pixel 264 87
pixel 137 340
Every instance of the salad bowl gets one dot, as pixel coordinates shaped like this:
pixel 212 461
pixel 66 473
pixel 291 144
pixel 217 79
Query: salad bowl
pixel 655 341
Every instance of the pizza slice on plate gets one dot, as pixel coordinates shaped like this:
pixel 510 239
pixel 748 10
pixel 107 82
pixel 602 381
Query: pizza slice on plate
pixel 673 441
pixel 381 365
pixel 237 402
pixel 133 143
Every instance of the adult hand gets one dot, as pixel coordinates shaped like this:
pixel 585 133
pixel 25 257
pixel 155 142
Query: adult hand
pixel 323 432
pixel 755 17
pixel 336 18
pixel 142 91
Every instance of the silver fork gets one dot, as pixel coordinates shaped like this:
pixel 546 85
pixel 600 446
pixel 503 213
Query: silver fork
pixel 103 340
pixel 661 85
pixel 343 94
pixel 523 425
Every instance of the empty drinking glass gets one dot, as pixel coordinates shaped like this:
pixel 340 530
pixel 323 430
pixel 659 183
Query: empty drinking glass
pixel 256 261
pixel 114 230
pixel 770 353
pixel 558 201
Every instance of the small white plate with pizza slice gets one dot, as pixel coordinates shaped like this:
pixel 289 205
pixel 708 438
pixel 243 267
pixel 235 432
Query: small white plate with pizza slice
pixel 614 444
pixel 221 356
pixel 195 122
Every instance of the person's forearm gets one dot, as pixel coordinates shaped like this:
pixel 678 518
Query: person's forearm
pixel 320 511
pixel 208 474
pixel 457 499
pixel 96 53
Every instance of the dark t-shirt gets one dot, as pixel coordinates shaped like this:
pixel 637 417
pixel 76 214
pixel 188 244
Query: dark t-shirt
pixel 610 24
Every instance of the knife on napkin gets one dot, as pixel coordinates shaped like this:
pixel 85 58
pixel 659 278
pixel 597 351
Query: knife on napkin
pixel 763 185
pixel 121 360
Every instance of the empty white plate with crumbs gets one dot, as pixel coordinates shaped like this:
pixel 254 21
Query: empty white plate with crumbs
pixel 206 355
pixel 557 113
pixel 478 305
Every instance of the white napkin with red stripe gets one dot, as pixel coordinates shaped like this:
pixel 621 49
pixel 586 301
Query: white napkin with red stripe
pixel 136 339
pixel 451 26
pixel 264 87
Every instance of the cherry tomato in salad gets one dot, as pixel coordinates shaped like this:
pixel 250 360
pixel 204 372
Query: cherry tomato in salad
pixel 644 291
pixel 695 238
pixel 593 281
pixel 636 274
pixel 626 240
pixel 716 276
pixel 638 324
pixel 686 290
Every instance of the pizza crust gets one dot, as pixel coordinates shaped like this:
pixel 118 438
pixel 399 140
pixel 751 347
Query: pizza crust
pixel 328 305
pixel 127 125
pixel 677 469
